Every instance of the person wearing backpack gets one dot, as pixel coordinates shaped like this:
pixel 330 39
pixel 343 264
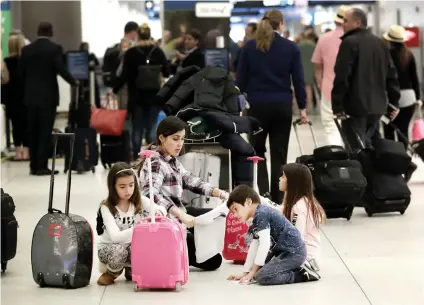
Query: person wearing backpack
pixel 144 67
pixel 111 59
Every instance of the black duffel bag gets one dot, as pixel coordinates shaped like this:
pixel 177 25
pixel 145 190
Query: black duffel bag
pixel 330 152
pixel 339 180
pixel 390 157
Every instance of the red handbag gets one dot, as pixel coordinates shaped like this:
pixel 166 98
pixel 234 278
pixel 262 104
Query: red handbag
pixel 108 121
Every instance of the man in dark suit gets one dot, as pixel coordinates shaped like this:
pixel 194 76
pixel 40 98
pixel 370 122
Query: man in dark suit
pixel 41 62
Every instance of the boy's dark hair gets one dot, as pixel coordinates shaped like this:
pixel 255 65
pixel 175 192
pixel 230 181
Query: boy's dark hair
pixel 45 29
pixel 130 27
pixel 240 195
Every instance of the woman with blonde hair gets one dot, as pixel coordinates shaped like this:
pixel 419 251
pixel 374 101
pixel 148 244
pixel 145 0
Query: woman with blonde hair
pixel 266 69
pixel 13 98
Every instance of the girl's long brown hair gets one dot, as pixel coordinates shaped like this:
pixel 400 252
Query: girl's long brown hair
pixel 112 200
pixel 300 185
pixel 266 28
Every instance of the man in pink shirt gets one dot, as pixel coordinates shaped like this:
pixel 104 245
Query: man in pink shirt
pixel 324 59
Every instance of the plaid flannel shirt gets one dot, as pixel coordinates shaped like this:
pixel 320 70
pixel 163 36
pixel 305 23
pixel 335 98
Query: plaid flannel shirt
pixel 169 179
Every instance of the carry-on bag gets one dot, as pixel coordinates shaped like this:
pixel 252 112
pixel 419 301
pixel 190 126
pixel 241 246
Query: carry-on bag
pixel 159 256
pixel 109 120
pixel 208 168
pixel 235 246
pixel 115 149
pixel 418 126
pixel 9 230
pixel 416 146
pixel 62 243
pixel 384 192
pixel 86 150
pixel 339 183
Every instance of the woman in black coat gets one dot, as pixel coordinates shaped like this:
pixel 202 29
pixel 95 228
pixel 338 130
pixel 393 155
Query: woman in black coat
pixel 142 104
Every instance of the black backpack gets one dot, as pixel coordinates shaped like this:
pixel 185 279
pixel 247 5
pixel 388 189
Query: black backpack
pixel 7 205
pixel 110 65
pixel 148 75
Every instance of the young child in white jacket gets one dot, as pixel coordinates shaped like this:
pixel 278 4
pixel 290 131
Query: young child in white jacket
pixel 116 218
pixel 301 207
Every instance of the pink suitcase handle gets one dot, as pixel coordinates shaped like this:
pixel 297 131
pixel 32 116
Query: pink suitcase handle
pixel 148 154
pixel 255 160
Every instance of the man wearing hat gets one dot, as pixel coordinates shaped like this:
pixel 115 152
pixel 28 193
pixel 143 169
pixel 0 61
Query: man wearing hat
pixel 365 79
pixel 324 59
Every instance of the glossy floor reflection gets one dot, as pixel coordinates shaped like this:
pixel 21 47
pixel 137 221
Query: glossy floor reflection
pixel 376 260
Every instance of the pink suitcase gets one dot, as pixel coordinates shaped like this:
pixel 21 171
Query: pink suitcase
pixel 418 127
pixel 159 257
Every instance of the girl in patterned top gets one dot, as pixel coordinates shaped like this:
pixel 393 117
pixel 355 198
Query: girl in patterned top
pixel 115 222
pixel 170 178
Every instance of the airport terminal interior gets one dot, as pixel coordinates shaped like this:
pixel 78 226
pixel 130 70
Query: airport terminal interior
pixel 366 260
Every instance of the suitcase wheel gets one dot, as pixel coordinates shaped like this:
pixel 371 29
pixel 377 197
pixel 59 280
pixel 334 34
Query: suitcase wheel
pixel 40 280
pixel 369 213
pixel 178 287
pixel 3 266
pixel 402 212
pixel 93 169
pixel 66 282
pixel 136 289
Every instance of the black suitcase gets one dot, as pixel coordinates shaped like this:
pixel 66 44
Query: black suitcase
pixel 115 149
pixel 9 230
pixel 384 192
pixel 391 157
pixel 339 184
pixel 62 243
pixel 86 150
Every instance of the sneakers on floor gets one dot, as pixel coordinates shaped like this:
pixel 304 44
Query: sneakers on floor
pixel 128 274
pixel 308 273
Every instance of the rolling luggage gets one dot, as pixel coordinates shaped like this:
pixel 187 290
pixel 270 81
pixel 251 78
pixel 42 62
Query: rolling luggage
pixel 391 157
pixel 9 230
pixel 86 150
pixel 235 246
pixel 159 256
pixel 385 192
pixel 208 168
pixel 62 243
pixel 339 182
pixel 115 149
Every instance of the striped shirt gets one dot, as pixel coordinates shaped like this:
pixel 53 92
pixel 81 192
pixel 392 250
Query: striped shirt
pixel 169 179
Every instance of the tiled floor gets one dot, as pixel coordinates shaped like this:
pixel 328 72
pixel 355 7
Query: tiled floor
pixel 376 260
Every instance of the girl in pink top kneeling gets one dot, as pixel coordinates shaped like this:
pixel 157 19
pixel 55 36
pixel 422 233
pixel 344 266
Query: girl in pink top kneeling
pixel 302 208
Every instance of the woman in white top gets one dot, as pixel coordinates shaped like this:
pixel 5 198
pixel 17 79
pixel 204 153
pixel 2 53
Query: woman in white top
pixel 116 218
pixel 301 207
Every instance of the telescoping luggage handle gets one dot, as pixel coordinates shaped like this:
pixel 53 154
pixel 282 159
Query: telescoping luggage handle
pixel 344 138
pixel 148 154
pixel 295 124
pixel 255 160
pixel 68 186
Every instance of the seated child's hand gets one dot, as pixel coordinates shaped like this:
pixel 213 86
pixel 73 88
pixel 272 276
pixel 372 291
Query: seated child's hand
pixel 247 279
pixel 236 277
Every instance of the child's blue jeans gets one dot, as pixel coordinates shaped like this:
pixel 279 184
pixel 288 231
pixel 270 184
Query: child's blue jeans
pixel 281 268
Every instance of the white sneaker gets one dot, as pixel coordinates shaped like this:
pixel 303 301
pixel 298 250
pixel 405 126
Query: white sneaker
pixel 309 273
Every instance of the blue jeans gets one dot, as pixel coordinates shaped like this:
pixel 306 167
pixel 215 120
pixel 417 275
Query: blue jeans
pixel 143 121
pixel 281 269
